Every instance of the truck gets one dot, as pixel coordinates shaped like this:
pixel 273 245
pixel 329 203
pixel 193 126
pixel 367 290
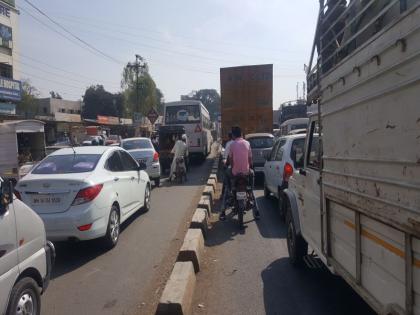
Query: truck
pixel 22 144
pixel 355 196
pixel 247 99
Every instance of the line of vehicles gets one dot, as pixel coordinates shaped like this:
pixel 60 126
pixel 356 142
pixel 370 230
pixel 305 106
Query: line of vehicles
pixel 76 193
pixel 347 178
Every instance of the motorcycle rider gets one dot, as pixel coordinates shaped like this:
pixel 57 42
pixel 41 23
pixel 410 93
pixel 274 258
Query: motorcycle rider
pixel 179 150
pixel 240 158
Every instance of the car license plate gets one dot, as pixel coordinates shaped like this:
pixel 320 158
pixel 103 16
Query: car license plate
pixel 45 200
pixel 241 195
pixel 259 169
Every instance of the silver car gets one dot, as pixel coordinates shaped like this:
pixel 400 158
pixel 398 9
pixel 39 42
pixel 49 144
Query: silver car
pixel 142 150
pixel 261 144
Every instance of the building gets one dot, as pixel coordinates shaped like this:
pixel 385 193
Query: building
pixel 62 118
pixel 292 109
pixel 10 86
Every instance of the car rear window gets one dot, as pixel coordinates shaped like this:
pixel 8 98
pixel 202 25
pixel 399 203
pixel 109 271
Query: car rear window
pixel 137 144
pixel 261 142
pixel 66 164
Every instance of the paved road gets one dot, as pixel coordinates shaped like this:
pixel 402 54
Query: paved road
pixel 126 280
pixel 249 273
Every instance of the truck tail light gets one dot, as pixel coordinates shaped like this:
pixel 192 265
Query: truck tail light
pixel 87 194
pixel 287 172
pixel 155 157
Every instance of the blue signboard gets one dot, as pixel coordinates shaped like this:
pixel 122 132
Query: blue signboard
pixel 10 90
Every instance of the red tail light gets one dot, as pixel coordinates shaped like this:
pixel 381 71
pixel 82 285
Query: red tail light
pixel 155 157
pixel 18 195
pixel 87 194
pixel 287 172
pixel 84 227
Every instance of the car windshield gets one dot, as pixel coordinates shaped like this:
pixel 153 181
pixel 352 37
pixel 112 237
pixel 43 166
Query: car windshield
pixel 66 164
pixel 137 144
pixel 261 142
pixel 182 114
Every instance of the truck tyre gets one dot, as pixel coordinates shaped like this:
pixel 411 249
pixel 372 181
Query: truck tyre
pixel 25 298
pixel 296 245
pixel 113 231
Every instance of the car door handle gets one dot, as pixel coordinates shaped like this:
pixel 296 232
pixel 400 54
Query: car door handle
pixel 116 179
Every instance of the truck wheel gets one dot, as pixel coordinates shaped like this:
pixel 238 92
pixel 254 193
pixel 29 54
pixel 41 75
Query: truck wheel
pixel 296 245
pixel 25 298
pixel 113 230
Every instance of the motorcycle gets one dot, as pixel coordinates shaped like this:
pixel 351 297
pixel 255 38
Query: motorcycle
pixel 243 198
pixel 180 170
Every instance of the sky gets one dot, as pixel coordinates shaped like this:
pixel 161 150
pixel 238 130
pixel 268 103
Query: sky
pixel 185 42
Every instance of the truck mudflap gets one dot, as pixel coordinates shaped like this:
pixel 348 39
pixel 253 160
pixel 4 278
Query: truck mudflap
pixel 50 257
pixel 293 209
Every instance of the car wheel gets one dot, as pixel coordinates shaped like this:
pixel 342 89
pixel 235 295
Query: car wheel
pixel 296 245
pixel 113 231
pixel 157 182
pixel 281 206
pixel 266 191
pixel 147 198
pixel 25 298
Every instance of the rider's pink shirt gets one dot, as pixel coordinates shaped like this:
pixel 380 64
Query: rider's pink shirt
pixel 240 153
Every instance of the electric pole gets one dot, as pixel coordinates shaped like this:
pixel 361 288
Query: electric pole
pixel 137 67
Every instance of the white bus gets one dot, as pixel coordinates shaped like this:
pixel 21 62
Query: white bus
pixel 195 118
pixel 293 124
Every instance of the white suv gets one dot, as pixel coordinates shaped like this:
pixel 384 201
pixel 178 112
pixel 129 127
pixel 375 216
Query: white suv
pixel 284 157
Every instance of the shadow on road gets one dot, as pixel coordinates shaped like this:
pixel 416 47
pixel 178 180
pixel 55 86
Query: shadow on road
pixel 73 255
pixel 290 290
pixel 270 213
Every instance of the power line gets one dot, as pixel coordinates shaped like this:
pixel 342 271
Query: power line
pixel 73 35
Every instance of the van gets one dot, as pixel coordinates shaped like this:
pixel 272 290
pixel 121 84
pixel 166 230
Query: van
pixel 26 257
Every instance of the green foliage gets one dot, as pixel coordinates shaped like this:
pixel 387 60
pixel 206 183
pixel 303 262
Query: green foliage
pixel 98 101
pixel 28 105
pixel 140 95
pixel 210 98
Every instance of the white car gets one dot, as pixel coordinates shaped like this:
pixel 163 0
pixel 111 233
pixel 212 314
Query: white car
pixel 85 193
pixel 143 151
pixel 280 164
pixel 26 257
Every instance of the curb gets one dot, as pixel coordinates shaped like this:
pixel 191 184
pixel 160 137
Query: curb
pixel 177 296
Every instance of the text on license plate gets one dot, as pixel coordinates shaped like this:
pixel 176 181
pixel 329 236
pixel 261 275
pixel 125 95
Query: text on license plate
pixel 45 200
pixel 241 195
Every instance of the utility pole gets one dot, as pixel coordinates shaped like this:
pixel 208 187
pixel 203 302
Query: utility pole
pixel 137 66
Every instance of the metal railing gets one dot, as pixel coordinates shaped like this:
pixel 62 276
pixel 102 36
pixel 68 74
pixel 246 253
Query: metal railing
pixel 336 37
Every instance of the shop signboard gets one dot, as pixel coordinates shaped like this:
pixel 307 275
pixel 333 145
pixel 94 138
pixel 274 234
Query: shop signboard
pixel 10 90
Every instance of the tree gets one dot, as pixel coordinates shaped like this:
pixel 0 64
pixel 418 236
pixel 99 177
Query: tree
pixel 98 101
pixel 210 98
pixel 28 104
pixel 140 91
pixel 55 95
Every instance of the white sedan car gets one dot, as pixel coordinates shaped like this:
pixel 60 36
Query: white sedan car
pixel 85 193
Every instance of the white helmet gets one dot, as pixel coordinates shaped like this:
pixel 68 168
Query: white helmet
pixel 184 137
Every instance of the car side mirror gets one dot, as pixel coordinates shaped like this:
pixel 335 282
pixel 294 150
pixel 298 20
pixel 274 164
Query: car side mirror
pixel 6 195
pixel 142 166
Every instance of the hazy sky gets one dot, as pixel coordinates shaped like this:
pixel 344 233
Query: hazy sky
pixel 185 42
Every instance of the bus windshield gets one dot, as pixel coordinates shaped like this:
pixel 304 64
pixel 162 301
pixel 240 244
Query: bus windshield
pixel 182 114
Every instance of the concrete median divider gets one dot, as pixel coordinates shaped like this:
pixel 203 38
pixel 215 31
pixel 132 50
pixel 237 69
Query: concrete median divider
pixel 211 182
pixel 205 203
pixel 213 176
pixel 177 296
pixel 193 248
pixel 208 191
pixel 200 221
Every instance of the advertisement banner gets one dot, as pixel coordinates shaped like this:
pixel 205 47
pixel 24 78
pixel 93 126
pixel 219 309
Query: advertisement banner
pixel 10 90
